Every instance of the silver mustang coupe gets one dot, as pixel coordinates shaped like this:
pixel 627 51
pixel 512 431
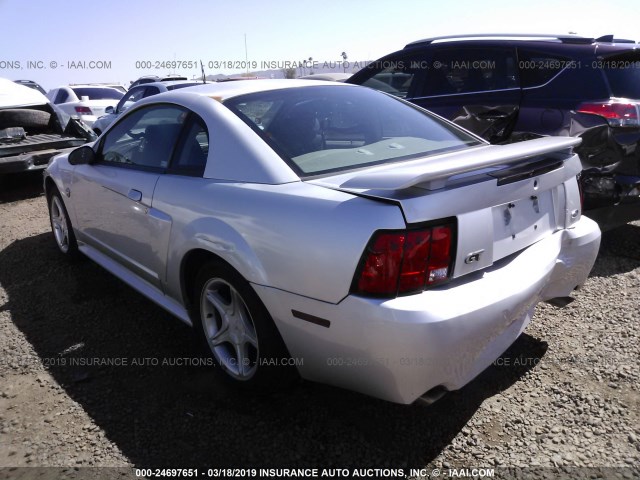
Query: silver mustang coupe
pixel 327 231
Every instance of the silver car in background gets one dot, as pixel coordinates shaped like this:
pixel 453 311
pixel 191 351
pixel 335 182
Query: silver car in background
pixel 328 231
pixel 133 95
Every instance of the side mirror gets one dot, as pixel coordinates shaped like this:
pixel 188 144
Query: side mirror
pixel 82 156
pixel 109 109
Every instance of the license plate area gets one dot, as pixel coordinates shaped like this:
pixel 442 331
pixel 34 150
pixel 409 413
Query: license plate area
pixel 520 223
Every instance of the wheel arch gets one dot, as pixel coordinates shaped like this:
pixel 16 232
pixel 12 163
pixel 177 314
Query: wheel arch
pixel 191 263
pixel 49 186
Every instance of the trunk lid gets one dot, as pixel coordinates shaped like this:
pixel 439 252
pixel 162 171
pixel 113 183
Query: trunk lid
pixel 503 197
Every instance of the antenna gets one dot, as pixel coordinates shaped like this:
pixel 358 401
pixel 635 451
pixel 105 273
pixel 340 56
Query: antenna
pixel 246 55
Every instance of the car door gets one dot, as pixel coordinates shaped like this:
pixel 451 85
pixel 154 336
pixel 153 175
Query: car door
pixel 112 197
pixel 475 87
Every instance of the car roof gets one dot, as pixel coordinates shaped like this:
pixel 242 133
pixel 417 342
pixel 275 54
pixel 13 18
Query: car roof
pixel 520 37
pixel 224 90
pixel 31 82
pixel 92 85
pixel 329 76
pixel 169 83
pixel 85 85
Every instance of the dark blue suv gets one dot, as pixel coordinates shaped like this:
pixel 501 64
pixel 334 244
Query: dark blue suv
pixel 508 88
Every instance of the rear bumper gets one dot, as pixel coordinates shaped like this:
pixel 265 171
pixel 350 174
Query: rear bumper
pixel 24 162
pixel 399 349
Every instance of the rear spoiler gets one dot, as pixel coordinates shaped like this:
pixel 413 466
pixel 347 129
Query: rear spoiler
pixel 432 173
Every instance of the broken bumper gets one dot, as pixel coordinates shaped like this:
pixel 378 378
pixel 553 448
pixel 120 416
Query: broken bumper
pixel 399 349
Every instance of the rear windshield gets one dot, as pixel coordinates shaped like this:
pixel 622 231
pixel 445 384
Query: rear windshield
pixel 98 93
pixel 320 129
pixel 623 74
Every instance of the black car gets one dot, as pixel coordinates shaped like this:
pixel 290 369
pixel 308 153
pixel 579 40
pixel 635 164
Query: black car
pixel 508 88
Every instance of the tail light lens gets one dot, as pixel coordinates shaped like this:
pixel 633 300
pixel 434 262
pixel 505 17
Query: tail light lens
pixel 83 111
pixel 439 263
pixel 406 261
pixel 618 113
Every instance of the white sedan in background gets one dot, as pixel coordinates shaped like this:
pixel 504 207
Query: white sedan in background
pixel 327 230
pixel 85 101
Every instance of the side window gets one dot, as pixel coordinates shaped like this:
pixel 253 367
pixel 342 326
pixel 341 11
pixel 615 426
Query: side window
pixel 538 68
pixel 396 76
pixel 471 70
pixel 61 97
pixel 146 138
pixel 191 154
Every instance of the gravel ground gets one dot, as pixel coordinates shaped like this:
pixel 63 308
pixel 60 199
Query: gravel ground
pixel 566 394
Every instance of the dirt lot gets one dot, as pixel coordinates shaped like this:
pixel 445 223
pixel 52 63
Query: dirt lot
pixel 566 394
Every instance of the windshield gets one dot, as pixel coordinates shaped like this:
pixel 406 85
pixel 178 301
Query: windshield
pixel 98 93
pixel 320 129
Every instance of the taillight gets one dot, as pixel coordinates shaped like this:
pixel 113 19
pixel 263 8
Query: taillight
pixel 405 261
pixel 617 113
pixel 83 111
pixel 379 274
pixel 440 259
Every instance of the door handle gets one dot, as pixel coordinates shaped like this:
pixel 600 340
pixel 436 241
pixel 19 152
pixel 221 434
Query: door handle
pixel 134 195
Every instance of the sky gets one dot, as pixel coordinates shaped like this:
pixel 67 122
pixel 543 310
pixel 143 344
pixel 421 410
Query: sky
pixel 59 42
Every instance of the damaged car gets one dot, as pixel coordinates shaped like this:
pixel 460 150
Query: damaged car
pixel 508 88
pixel 327 230
pixel 32 130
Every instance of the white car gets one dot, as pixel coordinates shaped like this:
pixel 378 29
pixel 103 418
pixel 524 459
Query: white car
pixel 32 131
pixel 133 95
pixel 328 230
pixel 85 101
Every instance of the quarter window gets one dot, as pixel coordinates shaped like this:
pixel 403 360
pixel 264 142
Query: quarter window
pixel 145 139
pixel 191 157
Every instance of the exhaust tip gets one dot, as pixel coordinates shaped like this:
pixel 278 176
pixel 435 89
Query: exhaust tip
pixel 432 396
pixel 560 302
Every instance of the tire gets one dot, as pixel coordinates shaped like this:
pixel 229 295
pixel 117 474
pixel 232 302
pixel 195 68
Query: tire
pixel 61 226
pixel 236 329
pixel 25 118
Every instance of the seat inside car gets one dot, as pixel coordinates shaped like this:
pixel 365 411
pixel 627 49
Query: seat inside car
pixel 157 145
